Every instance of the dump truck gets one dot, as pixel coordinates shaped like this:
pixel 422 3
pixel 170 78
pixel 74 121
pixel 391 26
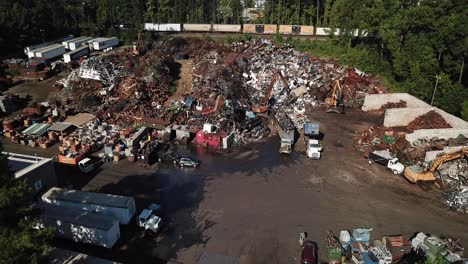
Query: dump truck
pixel 286 131
pixel 311 135
pixel 417 173
pixel 386 159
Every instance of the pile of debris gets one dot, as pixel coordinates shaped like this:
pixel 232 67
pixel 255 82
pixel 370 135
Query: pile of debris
pixel 382 138
pixel 356 247
pixel 430 120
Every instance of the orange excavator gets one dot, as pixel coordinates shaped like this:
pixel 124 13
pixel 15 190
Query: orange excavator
pixel 263 104
pixel 415 173
pixel 335 99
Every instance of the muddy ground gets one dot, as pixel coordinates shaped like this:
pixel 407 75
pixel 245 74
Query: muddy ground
pixel 252 203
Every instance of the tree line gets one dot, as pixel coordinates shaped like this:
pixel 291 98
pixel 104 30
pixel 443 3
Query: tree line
pixel 413 43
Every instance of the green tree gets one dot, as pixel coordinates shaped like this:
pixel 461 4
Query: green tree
pixel 19 242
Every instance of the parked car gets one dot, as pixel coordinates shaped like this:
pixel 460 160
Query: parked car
pixel 188 162
pixel 309 253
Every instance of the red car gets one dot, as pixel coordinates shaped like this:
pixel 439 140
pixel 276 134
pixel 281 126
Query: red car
pixel 309 253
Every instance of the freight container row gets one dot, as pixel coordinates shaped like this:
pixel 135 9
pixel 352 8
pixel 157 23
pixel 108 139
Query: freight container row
pixel 249 28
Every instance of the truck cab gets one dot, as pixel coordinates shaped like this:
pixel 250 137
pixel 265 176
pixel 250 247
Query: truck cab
pixel 149 221
pixel 86 165
pixel 314 149
pixel 395 166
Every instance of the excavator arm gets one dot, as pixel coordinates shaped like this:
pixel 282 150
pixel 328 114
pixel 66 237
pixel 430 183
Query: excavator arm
pixel 262 106
pixel 414 174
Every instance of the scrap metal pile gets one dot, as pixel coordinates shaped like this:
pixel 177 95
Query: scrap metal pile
pixel 226 81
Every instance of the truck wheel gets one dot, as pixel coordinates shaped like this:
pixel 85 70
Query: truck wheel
pixel 395 172
pixel 370 161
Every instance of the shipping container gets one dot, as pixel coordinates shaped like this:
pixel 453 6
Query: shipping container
pixel 70 160
pixel 260 28
pixel 66 43
pixel 197 27
pixel 73 45
pixel 104 43
pixel 296 30
pixel 80 226
pixel 120 207
pixel 321 31
pixel 227 28
pixel 75 54
pixel 49 52
pixel 38 46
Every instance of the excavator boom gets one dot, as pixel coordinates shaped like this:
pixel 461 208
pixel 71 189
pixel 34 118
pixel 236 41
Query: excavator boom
pixel 262 106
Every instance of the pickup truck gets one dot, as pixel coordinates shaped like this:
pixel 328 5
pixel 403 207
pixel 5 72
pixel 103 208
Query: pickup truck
pixel 385 158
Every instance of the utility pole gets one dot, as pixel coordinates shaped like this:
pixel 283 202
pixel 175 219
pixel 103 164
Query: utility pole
pixel 435 88
pixel 318 13
pixel 42 33
pixel 462 68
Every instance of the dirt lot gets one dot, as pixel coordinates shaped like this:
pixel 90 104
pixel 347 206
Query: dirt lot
pixel 252 203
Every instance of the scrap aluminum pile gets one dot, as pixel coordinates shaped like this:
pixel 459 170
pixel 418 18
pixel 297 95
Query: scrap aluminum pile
pixel 454 177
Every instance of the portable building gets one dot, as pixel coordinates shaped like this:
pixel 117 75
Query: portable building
pixel 104 43
pixel 75 54
pixel 66 43
pixel 121 207
pixel 81 226
pixel 73 45
pixel 48 52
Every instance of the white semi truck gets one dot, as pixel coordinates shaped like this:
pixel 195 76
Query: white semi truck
pixel 149 220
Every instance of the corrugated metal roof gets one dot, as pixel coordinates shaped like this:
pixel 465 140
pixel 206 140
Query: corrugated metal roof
pixel 37 129
pixel 80 119
pixel 59 126
pixel 48 48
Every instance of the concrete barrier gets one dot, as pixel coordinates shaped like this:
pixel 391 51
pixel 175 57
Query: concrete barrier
pixel 445 133
pixel 376 101
pixel 431 155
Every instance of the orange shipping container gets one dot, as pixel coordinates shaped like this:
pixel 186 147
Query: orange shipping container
pixel 69 160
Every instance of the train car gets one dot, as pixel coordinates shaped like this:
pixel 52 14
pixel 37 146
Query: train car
pixel 223 28
pixel 196 27
pixel 260 28
pixel 296 30
pixel 323 31
pixel 170 27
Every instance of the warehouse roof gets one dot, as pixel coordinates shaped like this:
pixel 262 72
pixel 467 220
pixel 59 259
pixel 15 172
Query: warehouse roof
pixel 77 217
pixel 64 256
pixel 37 129
pixel 60 126
pixel 74 196
pixel 80 119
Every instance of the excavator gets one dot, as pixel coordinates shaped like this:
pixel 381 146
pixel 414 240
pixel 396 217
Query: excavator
pixel 335 100
pixel 263 104
pixel 415 174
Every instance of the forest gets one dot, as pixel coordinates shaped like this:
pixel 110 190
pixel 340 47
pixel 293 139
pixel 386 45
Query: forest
pixel 412 44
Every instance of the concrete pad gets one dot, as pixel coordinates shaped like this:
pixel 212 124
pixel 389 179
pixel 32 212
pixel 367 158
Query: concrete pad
pixel 444 133
pixel 376 101
pixel 403 116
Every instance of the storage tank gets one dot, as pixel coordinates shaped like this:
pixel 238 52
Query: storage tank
pixel 104 43
pixel 81 226
pixel 227 28
pixel 120 207
pixel 73 45
pixel 48 52
pixel 197 27
pixel 75 54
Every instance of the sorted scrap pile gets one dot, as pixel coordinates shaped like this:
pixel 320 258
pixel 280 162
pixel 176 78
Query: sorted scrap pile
pixel 381 138
pixel 381 111
pixel 430 120
pixel 356 247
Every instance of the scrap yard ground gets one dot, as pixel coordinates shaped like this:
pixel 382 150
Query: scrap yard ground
pixel 252 203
